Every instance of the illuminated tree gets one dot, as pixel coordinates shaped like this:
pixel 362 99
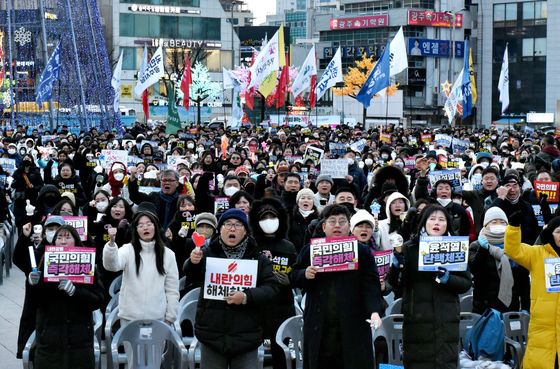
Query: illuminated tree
pixel 202 86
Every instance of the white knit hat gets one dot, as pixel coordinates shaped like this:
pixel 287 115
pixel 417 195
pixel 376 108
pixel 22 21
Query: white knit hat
pixel 494 213
pixel 304 191
pixel 360 217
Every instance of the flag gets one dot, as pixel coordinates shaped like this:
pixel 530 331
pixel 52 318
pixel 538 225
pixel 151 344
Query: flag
pixel 173 120
pixel 227 79
pixel 378 78
pixel 145 106
pixel 264 71
pixel 250 92
pixel 116 84
pixel 331 76
pixel 308 70
pixel 503 82
pixel 186 81
pixel 48 77
pixel 399 58
pixel 312 95
pixel 151 73
pixel 455 97
pixel 282 88
pixel 473 81
pixel 466 88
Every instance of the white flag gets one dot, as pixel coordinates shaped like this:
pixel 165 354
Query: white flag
pixel 266 62
pixel 303 79
pixel 226 77
pixel 399 59
pixel 116 83
pixel 503 82
pixel 331 76
pixel 455 97
pixel 152 72
pixel 143 67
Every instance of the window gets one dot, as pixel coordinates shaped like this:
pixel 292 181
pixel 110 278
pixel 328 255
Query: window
pixel 511 12
pixel 193 3
pixel 499 13
pixel 155 26
pixel 528 47
pixel 540 46
pixel 529 10
pixel 535 10
pixel 534 47
pixel 129 58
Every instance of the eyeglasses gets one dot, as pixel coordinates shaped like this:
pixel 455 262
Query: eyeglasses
pixel 334 222
pixel 147 225
pixel 168 180
pixel 233 225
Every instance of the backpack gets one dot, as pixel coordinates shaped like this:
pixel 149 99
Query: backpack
pixel 486 337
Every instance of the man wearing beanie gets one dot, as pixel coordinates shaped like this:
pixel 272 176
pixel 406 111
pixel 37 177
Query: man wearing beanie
pixel 231 334
pixel 323 197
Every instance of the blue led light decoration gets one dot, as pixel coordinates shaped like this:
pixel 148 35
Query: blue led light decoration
pixel 83 97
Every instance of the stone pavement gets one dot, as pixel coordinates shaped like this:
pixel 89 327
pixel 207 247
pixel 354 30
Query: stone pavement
pixel 11 302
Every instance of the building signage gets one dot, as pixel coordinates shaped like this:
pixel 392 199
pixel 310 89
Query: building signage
pixel 416 76
pixel 161 9
pixel 436 48
pixel 354 51
pixel 180 43
pixel 370 21
pixel 433 19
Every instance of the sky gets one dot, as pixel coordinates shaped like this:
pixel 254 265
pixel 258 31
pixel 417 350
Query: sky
pixel 260 9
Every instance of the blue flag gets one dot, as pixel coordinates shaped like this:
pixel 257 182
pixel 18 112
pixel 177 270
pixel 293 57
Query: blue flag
pixel 49 76
pixel 377 80
pixel 466 86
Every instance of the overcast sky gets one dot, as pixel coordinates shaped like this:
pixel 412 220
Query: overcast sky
pixel 260 9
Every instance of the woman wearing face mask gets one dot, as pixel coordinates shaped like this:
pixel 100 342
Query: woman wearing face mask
pixel 97 207
pixel 396 208
pixel 304 213
pixel 118 181
pixel 269 222
pixel 64 322
pixel 67 181
pixel 26 184
pixel 430 301
pixel 494 281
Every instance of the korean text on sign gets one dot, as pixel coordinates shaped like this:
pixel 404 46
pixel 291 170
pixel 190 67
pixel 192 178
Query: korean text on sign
pixel 383 261
pixel 79 223
pixel 76 264
pixel 450 252
pixel 334 254
pixel 552 274
pixel 226 276
pixel 550 189
pixel 452 175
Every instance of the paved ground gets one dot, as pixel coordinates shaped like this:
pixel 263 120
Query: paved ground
pixel 11 303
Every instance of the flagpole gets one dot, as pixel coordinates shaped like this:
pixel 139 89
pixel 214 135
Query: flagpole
pixel 46 56
pixel 386 109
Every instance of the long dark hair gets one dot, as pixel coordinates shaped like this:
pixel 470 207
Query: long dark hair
pixel 68 228
pixel 428 211
pixel 57 208
pixel 113 202
pixel 159 247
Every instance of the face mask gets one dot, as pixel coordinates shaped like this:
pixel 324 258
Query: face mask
pixel 11 151
pixel 444 202
pixel 498 229
pixel 398 164
pixel 119 176
pixel 49 235
pixel 305 213
pixel 484 164
pixel 101 206
pixel 384 156
pixel 350 161
pixel 457 201
pixel 66 213
pixel 476 178
pixel 369 162
pixel 230 191
pixel 432 167
pixel 190 146
pixel 269 226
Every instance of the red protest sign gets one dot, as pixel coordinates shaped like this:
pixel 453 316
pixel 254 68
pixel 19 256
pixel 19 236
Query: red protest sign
pixel 426 138
pixel 550 189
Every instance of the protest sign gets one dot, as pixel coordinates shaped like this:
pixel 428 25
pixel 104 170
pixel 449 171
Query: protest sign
pixel 358 146
pixel 336 168
pixel 313 153
pixel 383 261
pixel 147 189
pixel 552 274
pixel 280 262
pixel 550 189
pixel 444 140
pixel 453 163
pixel 221 204
pixel 226 276
pixel 538 213
pixel 442 161
pixel 49 138
pixel 452 175
pixel 292 158
pixel 450 252
pixel 9 165
pixel 133 160
pixel 76 264
pixel 189 220
pixel 385 138
pixel 410 162
pixel 172 161
pixel 79 223
pixel 108 157
pixel 460 145
pixel 426 138
pixel 334 254
pixel 337 149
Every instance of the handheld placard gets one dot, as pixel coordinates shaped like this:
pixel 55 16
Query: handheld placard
pixel 32 258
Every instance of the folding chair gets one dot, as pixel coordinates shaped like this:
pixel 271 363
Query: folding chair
pixel 192 295
pixel 392 331
pixel 395 307
pixel 194 355
pixel 112 323
pixel 291 329
pixel 516 327
pixel 115 286
pixel 466 323
pixel 28 351
pixel 466 303
pixel 187 313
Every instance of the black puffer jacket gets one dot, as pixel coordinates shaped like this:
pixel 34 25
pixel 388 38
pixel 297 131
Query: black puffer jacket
pixel 233 329
pixel 299 228
pixel 431 314
pixel 72 185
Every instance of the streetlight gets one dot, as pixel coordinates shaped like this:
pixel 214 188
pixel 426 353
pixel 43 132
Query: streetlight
pixel 451 72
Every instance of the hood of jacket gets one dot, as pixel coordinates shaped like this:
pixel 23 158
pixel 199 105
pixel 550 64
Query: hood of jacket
pixel 394 196
pixel 391 172
pixel 256 207
pixel 474 167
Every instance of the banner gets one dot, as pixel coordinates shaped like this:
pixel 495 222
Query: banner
pixel 503 81
pixel 435 48
pixel 377 80
pixel 460 145
pixel 79 223
pixel 385 138
pixel 443 140
pixel 467 86
pixel 48 77
pixel 549 189
pixel 552 274
pixel 331 76
pixel 153 72
pixel 108 157
pixel 226 276
pixel 334 254
pixel 116 84
pixel 148 189
pixel 454 99
pixel 383 262
pixel 399 59
pixel 303 79
pixel 173 120
pixel 430 18
pixel 450 252
pixel 426 138
pixel 452 175
pixel 76 264
pixel 336 168
pixel 313 153
pixel 369 21
pixel 538 212
pixel 264 71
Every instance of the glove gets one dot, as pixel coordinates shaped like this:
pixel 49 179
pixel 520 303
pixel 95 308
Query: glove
pixel 282 278
pixel 67 286
pixel 29 209
pixel 483 241
pixel 442 275
pixel 183 232
pixel 515 219
pixel 33 278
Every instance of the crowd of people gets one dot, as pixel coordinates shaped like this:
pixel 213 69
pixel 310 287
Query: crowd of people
pixel 260 194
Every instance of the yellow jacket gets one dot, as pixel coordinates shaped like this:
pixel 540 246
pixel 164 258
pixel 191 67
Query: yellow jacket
pixel 544 327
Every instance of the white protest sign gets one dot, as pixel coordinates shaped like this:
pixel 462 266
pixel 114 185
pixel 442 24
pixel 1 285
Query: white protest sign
pixel 108 157
pixel 313 153
pixel 9 165
pixel 148 189
pixel 336 168
pixel 450 252
pixel 552 274
pixel 226 276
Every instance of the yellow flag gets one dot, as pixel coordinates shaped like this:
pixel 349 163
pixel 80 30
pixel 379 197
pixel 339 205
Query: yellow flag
pixel 270 81
pixel 473 82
